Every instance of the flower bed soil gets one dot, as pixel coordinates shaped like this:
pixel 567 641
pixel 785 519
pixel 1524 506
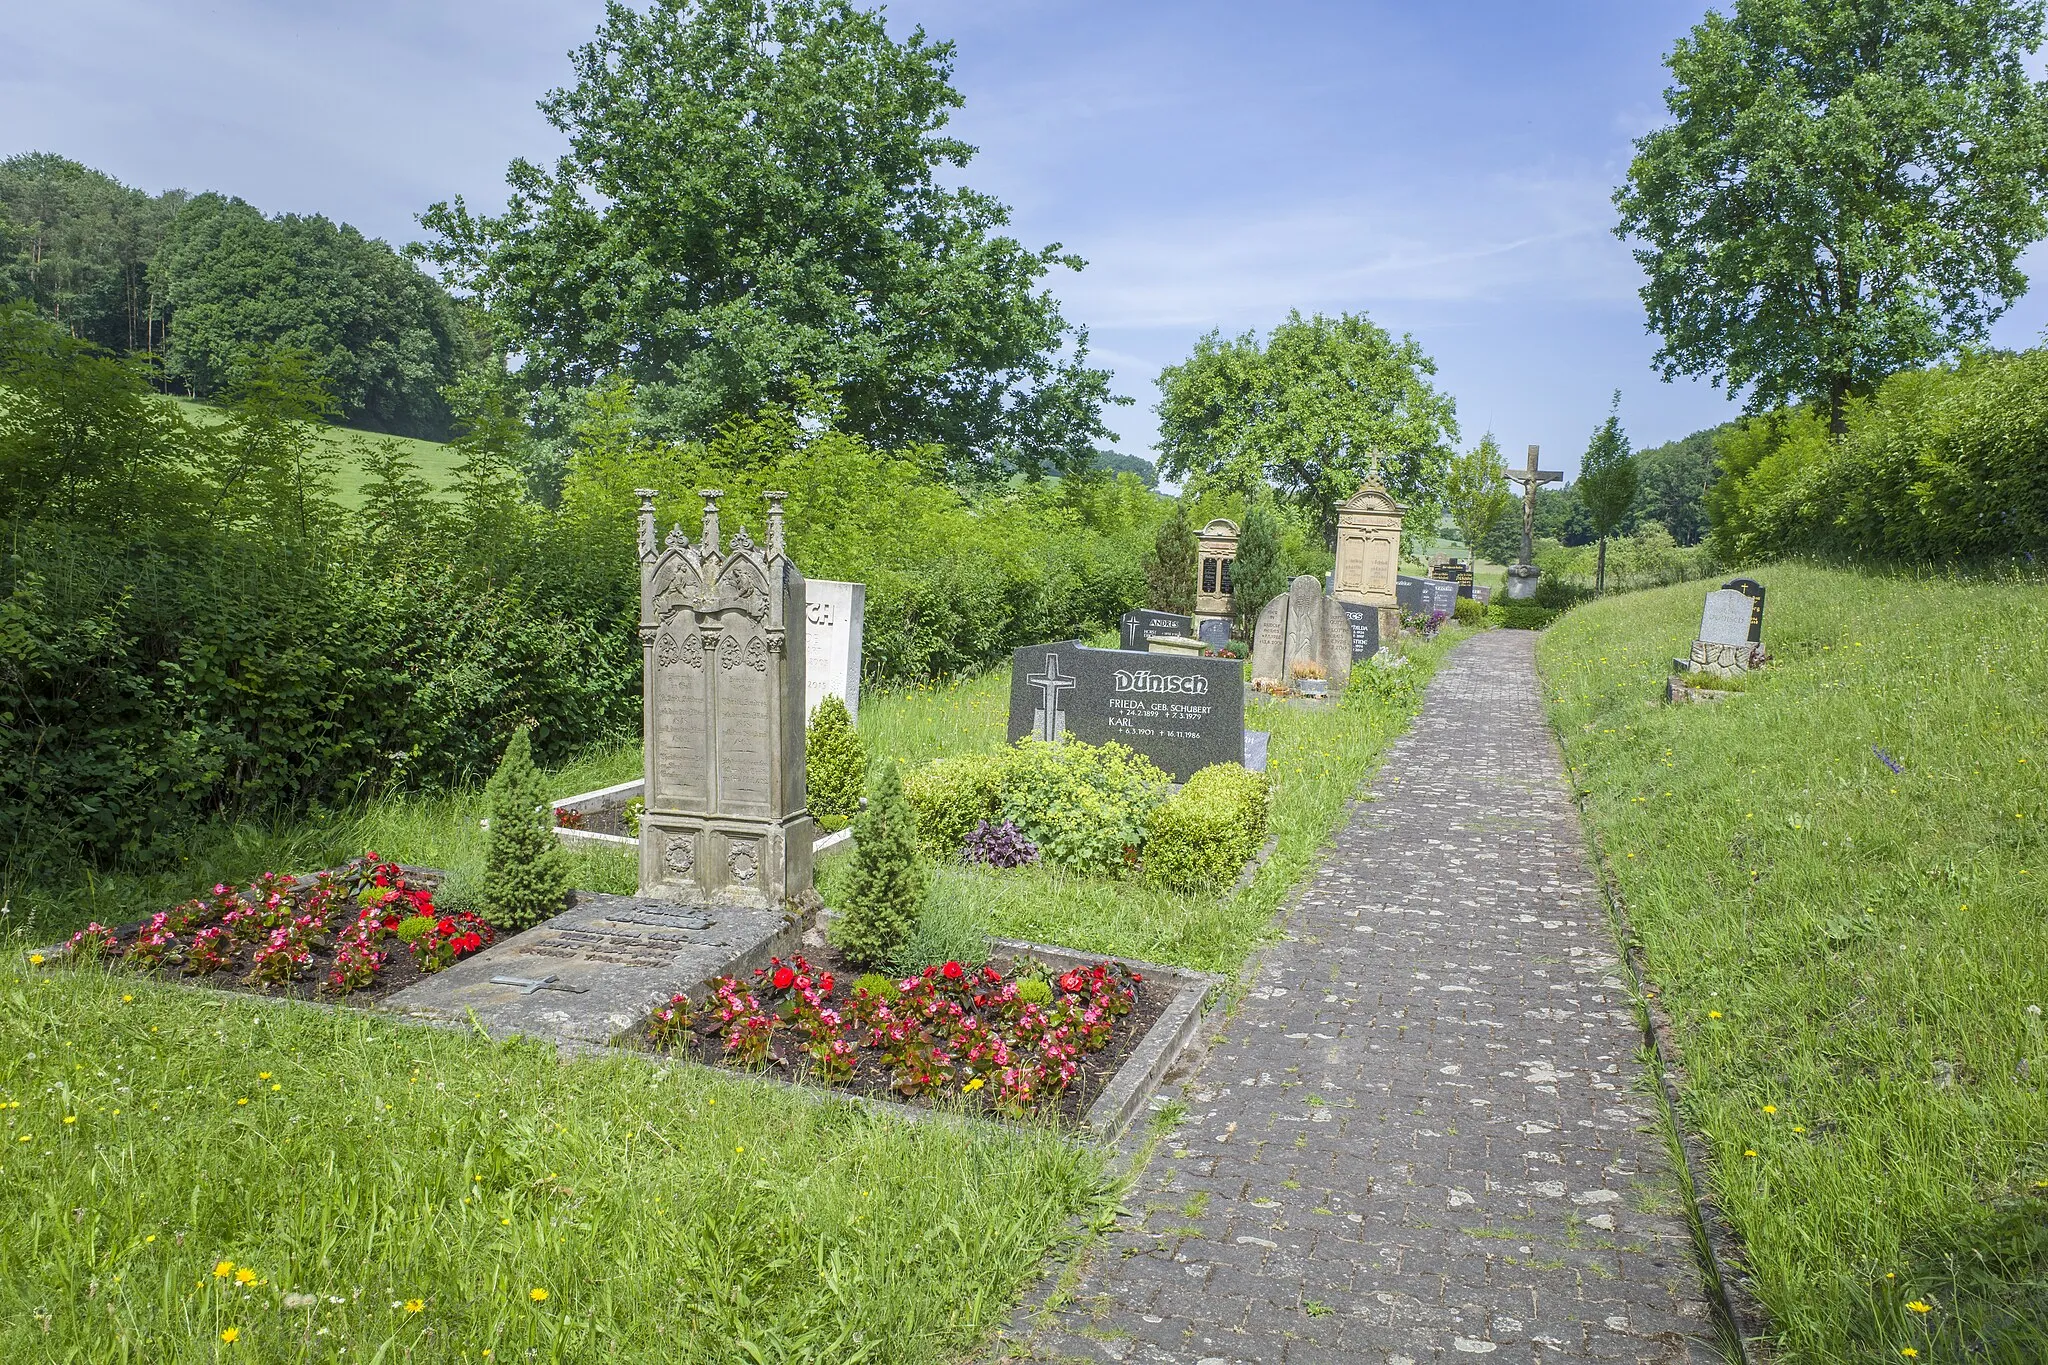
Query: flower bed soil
pixel 125 945
pixel 704 1041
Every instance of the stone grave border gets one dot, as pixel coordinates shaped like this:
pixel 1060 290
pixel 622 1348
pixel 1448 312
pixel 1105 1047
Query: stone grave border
pixel 626 791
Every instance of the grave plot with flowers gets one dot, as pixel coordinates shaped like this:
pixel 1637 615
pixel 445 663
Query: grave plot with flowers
pixel 1014 1036
pixel 364 930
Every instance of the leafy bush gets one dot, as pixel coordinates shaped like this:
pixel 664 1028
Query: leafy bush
pixel 878 985
pixel 411 929
pixel 1471 612
pixel 1938 465
pixel 951 795
pixel 1084 805
pixel 1200 836
pixel 835 762
pixel 1386 678
pixel 526 872
pixel 460 892
pixel 886 888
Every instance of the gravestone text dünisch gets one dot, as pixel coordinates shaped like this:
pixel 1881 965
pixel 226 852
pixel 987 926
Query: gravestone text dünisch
pixel 1184 712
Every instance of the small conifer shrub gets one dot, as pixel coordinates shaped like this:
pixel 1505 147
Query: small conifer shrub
pixel 835 763
pixel 526 872
pixel 887 885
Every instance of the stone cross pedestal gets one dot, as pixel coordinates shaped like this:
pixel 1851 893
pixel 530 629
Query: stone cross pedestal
pixel 1522 576
pixel 722 645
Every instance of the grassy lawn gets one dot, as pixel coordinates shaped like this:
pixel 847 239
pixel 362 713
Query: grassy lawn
pixel 428 1187
pixel 436 461
pixel 1316 758
pixel 1855 960
pixel 422 1184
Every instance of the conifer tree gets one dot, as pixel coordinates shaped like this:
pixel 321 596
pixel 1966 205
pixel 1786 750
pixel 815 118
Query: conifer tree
pixel 887 885
pixel 835 761
pixel 526 872
pixel 1607 484
pixel 1258 576
pixel 1170 571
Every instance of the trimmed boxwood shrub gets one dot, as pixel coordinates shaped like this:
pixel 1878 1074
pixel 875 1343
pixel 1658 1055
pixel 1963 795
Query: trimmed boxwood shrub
pixel 1200 836
pixel 1526 615
pixel 950 796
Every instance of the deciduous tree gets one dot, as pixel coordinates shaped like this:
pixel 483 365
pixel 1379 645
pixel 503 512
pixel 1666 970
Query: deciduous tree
pixel 1607 484
pixel 750 209
pixel 1844 192
pixel 1320 406
pixel 1476 492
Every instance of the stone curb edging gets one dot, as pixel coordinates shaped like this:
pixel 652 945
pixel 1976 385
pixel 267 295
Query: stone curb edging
pixel 1747 1323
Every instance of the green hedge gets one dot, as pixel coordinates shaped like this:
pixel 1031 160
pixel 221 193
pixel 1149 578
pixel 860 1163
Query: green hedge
pixel 1941 465
pixel 1084 805
pixel 1200 837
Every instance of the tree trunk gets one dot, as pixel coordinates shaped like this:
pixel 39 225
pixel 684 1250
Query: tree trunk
pixel 1600 569
pixel 1838 406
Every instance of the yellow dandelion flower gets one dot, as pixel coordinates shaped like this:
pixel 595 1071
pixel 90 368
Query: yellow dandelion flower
pixel 537 1294
pixel 246 1275
pixel 231 1335
pixel 1749 1151
pixel 223 1270
pixel 1713 1014
pixel 415 1306
pixel 243 1100
pixel 35 959
pixel 71 1118
pixel 1918 1307
pixel 1908 1351
pixel 263 1075
pixel 1770 1109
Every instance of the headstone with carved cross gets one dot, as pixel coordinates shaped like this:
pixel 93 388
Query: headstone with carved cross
pixel 1522 576
pixel 723 652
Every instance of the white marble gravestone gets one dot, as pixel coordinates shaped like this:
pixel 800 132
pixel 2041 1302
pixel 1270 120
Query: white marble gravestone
pixel 1727 622
pixel 723 651
pixel 833 616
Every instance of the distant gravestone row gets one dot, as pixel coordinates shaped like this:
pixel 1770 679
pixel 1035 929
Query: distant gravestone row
pixel 1426 596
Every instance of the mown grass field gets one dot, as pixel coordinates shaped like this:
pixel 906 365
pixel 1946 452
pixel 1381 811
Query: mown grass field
pixel 1855 959
pixel 436 462
pixel 421 1185
pixel 444 1199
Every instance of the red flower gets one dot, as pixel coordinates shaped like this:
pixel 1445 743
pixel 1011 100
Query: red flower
pixel 825 984
pixel 1071 983
pixel 783 977
pixel 1136 977
pixel 446 926
pixel 951 971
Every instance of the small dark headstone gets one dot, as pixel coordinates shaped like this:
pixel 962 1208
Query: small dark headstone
pixel 1214 632
pixel 1425 596
pixel 1365 630
pixel 1182 711
pixel 1753 590
pixel 1408 594
pixel 1136 625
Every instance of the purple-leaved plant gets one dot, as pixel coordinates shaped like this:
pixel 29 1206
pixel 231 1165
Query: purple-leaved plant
pixel 999 845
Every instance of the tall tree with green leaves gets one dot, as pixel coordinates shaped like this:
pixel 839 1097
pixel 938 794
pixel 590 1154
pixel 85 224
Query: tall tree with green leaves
pixel 1316 409
pixel 1607 484
pixel 750 209
pixel 1260 572
pixel 1170 569
pixel 1844 192
pixel 1476 493
pixel 77 244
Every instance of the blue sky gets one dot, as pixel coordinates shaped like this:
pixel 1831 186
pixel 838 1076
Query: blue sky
pixel 1443 167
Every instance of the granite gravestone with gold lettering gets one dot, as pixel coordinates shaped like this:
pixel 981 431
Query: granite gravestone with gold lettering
pixel 722 644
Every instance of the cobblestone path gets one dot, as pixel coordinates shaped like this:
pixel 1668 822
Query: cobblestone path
pixel 1419 1140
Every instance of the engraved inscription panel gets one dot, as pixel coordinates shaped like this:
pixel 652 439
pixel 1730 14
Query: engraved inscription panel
pixel 618 947
pixel 743 693
pixel 681 718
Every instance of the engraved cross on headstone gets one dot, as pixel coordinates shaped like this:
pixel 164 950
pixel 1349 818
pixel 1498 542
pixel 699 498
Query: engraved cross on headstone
pixel 1051 720
pixel 546 983
pixel 1531 479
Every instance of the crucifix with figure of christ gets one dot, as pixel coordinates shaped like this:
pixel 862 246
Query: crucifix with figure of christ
pixel 1531 479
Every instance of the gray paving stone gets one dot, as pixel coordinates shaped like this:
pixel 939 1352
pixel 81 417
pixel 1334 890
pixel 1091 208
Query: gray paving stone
pixel 1471 1180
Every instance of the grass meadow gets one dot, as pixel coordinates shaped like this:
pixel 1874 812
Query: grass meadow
pixel 1836 879
pixel 192 1176
pixel 436 462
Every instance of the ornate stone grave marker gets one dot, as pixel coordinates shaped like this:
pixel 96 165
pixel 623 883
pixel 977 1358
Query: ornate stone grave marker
pixel 723 647
pixel 1731 631
pixel 1216 551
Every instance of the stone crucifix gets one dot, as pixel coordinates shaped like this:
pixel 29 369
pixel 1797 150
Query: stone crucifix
pixel 1531 479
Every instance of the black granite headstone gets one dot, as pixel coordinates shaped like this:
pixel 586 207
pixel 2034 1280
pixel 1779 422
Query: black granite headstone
pixel 1425 596
pixel 1408 594
pixel 1182 711
pixel 1365 630
pixel 1136 625
pixel 1753 590
pixel 1214 632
